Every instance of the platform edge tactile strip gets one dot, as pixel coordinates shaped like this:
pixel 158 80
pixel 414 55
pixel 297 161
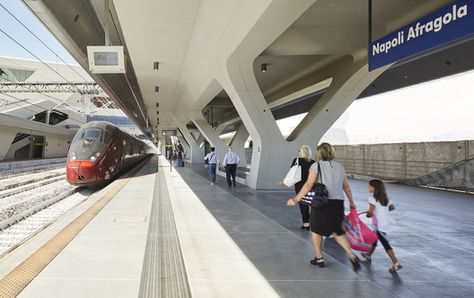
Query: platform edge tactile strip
pixel 18 279
pixel 164 272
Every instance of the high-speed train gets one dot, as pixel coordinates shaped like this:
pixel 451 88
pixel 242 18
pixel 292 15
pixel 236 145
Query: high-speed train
pixel 99 151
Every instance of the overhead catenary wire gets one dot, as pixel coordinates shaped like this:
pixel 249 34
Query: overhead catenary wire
pixel 28 100
pixel 32 33
pixel 31 53
pixel 61 101
pixel 39 59
pixel 48 66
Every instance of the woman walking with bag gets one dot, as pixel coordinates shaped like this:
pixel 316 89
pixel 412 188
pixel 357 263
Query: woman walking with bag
pixel 327 219
pixel 304 160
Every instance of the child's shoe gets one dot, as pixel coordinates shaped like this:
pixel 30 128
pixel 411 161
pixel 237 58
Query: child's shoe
pixel 395 268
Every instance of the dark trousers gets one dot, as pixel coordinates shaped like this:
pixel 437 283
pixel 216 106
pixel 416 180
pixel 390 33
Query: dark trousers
pixel 383 239
pixel 304 212
pixel 304 209
pixel 230 170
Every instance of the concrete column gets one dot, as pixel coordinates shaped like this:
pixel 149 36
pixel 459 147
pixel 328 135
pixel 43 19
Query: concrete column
pixel 184 143
pixel 268 143
pixel 238 143
pixel 350 78
pixel 211 134
pixel 7 135
pixel 200 139
pixel 196 153
pixel 272 154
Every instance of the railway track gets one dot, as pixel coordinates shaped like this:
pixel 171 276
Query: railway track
pixel 31 201
pixel 9 170
pixel 14 235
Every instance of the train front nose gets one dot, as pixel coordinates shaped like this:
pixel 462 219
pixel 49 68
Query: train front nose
pixel 81 172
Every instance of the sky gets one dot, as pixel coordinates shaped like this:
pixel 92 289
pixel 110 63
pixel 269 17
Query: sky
pixel 8 24
pixel 441 110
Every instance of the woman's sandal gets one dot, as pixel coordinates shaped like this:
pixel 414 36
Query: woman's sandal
pixel 317 262
pixel 366 256
pixel 395 268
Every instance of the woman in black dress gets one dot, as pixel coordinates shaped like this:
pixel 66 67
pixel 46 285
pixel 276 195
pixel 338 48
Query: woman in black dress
pixel 305 161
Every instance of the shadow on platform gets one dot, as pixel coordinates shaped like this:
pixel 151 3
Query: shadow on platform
pixel 432 238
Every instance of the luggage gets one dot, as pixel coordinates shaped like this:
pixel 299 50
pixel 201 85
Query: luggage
pixel 360 236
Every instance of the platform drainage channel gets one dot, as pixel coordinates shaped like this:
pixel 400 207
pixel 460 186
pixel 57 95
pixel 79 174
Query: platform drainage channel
pixel 163 274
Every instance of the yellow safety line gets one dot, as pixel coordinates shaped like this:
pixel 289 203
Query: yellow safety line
pixel 13 283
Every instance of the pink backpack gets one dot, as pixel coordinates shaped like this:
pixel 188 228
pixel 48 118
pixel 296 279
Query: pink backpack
pixel 360 236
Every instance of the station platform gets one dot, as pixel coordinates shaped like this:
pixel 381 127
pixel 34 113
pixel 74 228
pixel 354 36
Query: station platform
pixel 168 233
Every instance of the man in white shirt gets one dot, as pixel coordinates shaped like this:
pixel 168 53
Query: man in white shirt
pixel 230 162
pixel 212 159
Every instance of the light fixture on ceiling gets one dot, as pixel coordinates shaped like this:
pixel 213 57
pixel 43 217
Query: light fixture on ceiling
pixel 263 67
pixel 156 65
pixel 157 89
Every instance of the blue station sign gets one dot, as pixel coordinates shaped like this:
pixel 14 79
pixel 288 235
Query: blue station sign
pixel 446 24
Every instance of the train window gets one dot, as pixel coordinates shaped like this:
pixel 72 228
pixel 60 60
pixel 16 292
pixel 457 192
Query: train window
pixel 131 149
pixel 91 134
pixel 107 137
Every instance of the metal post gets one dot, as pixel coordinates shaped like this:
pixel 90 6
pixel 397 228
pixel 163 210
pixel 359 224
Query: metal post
pixel 106 23
pixel 171 158
pixel 370 22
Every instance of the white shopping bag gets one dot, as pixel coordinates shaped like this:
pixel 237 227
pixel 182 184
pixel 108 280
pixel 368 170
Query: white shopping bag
pixel 293 176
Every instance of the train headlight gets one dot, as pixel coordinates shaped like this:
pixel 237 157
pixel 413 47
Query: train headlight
pixel 72 156
pixel 94 156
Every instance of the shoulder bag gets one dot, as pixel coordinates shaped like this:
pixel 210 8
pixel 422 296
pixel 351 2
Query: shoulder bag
pixel 294 175
pixel 318 196
pixel 207 160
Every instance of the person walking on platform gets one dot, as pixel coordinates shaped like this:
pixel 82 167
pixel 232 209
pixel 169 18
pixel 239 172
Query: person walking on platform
pixel 230 162
pixel 327 220
pixel 379 207
pixel 213 161
pixel 305 161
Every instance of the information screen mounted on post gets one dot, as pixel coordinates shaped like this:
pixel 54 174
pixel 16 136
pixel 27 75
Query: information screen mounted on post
pixel 106 59
pixel 447 24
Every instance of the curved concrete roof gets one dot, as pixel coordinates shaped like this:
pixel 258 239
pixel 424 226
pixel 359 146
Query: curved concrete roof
pixel 211 54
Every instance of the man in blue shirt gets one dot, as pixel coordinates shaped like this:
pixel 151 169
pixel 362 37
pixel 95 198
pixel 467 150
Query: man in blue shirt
pixel 213 161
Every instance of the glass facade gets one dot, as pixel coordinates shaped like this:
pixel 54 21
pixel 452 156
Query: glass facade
pixel 14 74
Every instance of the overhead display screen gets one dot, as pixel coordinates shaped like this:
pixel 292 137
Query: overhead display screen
pixel 106 59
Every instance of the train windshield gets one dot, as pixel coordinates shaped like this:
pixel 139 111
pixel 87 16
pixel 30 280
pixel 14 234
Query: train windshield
pixel 91 134
pixel 88 144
